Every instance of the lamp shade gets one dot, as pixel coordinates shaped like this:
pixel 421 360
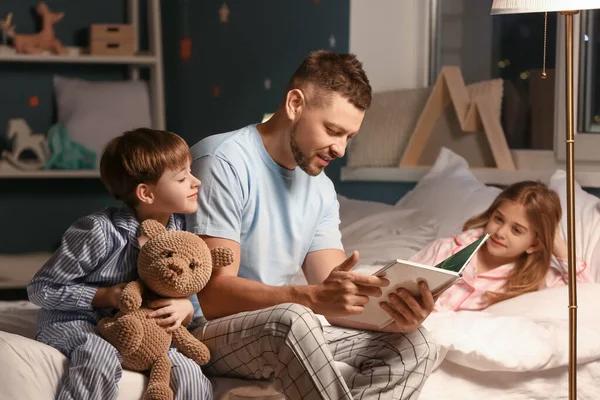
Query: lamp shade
pixel 531 6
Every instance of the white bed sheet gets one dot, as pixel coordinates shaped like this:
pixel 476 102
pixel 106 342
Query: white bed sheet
pixel 455 382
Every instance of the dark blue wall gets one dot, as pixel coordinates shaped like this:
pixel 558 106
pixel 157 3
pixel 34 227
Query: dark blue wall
pixel 264 39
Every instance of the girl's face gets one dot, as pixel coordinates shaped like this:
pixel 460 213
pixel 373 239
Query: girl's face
pixel 511 233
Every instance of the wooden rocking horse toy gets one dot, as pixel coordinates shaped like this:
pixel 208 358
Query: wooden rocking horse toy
pixel 45 40
pixel 23 141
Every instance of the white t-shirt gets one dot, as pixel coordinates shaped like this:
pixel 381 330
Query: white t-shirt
pixel 277 215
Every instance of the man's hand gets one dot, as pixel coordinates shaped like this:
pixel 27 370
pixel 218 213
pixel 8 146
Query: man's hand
pixel 108 297
pixel 171 313
pixel 344 293
pixel 408 312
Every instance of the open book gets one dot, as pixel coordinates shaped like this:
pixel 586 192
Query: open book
pixel 407 275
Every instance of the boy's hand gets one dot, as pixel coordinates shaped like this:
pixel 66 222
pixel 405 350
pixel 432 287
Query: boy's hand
pixel 171 313
pixel 108 297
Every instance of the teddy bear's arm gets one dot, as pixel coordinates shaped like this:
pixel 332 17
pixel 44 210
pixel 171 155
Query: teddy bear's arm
pixel 221 256
pixel 190 346
pixel 131 297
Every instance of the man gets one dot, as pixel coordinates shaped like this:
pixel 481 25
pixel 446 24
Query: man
pixel 264 196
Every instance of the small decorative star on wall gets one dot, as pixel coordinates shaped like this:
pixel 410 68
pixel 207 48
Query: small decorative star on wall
pixel 332 41
pixel 185 48
pixel 267 84
pixel 34 101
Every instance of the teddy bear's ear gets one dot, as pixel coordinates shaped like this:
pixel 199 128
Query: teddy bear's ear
pixel 151 228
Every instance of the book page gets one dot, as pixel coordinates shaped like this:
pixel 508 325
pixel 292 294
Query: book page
pixel 458 261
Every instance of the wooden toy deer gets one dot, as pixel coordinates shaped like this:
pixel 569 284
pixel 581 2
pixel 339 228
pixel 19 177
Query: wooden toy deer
pixel 37 43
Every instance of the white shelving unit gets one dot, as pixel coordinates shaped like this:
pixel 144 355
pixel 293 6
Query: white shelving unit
pixel 151 59
pixel 51 173
pixel 76 56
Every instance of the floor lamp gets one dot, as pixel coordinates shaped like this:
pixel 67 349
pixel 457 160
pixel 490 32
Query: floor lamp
pixel 568 8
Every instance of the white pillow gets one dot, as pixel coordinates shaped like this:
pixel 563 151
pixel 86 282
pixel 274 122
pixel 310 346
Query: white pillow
pixel 95 112
pixel 36 371
pixel 385 236
pixel 351 210
pixel 587 221
pixel 449 193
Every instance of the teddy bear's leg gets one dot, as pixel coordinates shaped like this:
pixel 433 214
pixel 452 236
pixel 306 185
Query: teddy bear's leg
pixel 125 333
pixel 190 346
pixel 158 382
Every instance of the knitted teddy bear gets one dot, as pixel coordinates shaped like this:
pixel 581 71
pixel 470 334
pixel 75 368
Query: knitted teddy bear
pixel 170 264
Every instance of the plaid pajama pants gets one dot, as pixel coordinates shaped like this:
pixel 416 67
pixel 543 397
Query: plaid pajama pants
pixel 287 344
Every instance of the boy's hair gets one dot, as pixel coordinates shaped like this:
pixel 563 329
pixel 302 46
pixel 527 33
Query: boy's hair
pixel 140 156
pixel 325 72
pixel 543 211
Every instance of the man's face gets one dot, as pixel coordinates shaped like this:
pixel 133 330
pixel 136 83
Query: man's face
pixel 323 132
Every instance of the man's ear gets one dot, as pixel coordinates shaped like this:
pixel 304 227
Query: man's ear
pixel 144 193
pixel 295 102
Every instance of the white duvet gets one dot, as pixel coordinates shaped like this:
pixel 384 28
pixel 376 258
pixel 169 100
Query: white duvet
pixel 527 333
pixel 517 349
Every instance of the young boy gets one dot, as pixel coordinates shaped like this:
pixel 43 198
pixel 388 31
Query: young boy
pixel 149 171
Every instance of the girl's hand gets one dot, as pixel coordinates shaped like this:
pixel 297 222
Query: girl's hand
pixel 559 247
pixel 171 313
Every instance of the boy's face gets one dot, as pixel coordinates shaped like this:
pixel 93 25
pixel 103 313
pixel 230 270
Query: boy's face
pixel 322 133
pixel 176 192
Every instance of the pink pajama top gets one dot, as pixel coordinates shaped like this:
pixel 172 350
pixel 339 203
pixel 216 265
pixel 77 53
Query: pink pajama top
pixel 468 292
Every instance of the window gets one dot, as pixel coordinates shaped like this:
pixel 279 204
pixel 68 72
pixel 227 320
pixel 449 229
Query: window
pixel 589 84
pixel 510 47
pixel 586 64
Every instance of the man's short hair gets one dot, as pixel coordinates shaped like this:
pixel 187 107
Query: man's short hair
pixel 329 72
pixel 140 156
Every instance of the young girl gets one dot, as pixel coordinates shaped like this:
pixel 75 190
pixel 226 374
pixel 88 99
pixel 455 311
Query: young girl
pixel 516 259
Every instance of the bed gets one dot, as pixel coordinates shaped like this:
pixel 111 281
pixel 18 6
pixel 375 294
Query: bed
pixel 517 349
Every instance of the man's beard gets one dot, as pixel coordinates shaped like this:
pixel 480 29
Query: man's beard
pixel 302 160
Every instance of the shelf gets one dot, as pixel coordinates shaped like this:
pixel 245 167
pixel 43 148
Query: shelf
pixel 76 56
pixel 531 165
pixel 489 176
pixel 50 174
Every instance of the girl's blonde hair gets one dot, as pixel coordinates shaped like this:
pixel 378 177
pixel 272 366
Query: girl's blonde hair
pixel 543 211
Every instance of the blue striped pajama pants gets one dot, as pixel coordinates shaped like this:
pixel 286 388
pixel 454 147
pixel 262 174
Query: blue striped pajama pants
pixel 95 365
pixel 288 344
